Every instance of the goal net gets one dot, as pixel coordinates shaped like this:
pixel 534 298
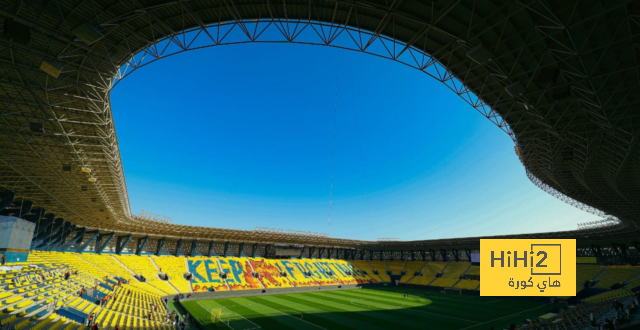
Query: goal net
pixel 452 291
pixel 219 315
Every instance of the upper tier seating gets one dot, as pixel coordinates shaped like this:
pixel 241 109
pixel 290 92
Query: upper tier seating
pixel 175 268
pixel 451 274
pixel 206 274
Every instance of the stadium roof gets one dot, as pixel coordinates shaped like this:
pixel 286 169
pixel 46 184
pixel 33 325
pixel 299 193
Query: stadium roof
pixel 561 77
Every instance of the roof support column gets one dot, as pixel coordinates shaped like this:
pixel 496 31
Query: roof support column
pixel 443 253
pixel 254 250
pixel 301 253
pixel 142 242
pixel 455 255
pixel 210 248
pixel 178 247
pixel 240 249
pixel 94 234
pixel 226 249
pixel 74 239
pixel 160 246
pixel 121 242
pixel 194 244
pixel 101 247
pixel 267 249
pixel 312 250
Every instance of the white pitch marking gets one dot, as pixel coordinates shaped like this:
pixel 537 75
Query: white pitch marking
pixel 232 312
pixel 277 310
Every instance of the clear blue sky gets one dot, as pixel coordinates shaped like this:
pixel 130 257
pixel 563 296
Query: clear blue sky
pixel 241 136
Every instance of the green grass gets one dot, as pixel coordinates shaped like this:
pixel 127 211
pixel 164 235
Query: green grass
pixel 383 308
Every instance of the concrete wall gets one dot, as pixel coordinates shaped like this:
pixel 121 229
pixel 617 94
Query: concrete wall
pixel 246 293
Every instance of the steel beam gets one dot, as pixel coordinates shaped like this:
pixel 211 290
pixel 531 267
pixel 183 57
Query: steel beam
pixel 178 247
pixel 194 244
pixel 80 233
pixel 240 249
pixel 142 242
pixel 161 244
pixel 121 243
pixel 94 234
pixel 101 247
pixel 254 250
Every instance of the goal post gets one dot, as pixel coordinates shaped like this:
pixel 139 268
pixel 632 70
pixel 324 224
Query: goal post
pixel 452 291
pixel 219 315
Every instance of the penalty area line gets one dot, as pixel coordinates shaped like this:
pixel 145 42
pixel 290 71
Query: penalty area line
pixel 289 315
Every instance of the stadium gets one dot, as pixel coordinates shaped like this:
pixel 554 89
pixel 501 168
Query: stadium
pixel 561 78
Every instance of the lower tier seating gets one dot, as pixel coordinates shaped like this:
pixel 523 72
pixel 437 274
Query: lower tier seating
pixel 381 267
pixel 613 275
pixel 451 274
pixel 412 268
pixel 206 274
pixel 428 273
pixel 397 267
pixel 175 268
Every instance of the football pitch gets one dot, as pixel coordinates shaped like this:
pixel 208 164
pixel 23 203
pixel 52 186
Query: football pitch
pixel 379 308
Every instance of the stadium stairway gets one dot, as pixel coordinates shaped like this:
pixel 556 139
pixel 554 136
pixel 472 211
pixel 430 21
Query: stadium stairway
pixel 460 278
pixel 466 284
pixel 175 268
pixel 158 275
pixel 379 275
pixel 412 268
pixel 615 275
pixel 429 272
pixel 587 273
pixel 396 267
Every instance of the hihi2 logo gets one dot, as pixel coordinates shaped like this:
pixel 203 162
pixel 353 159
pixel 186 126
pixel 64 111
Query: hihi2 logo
pixel 528 267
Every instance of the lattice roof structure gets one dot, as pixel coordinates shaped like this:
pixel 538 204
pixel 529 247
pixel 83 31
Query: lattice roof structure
pixel 560 77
